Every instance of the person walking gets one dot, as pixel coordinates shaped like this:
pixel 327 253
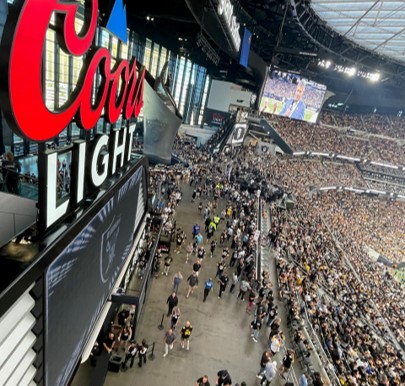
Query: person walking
pixel 202 381
pixel 288 360
pixel 185 335
pixel 168 261
pixel 269 373
pixel 275 344
pixel 199 239
pixel 11 170
pixel 252 297
pixel 172 301
pixel 180 237
pixel 177 279
pixel 220 268
pixel 175 317
pixel 223 282
pixel 244 286
pixel 192 282
pixel 213 246
pixel 196 230
pixel 197 266
pixel 266 357
pixel 190 249
pixel 169 339
pixel 256 325
pixel 223 378
pixel 130 355
pixel 208 285
pixel 272 315
pixel 303 381
pixel 234 282
pixel 142 350
pixel 275 328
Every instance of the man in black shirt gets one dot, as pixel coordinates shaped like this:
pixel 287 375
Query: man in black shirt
pixel 123 317
pixel 172 301
pixel 11 170
pixel 223 378
pixel 223 282
pixel 109 342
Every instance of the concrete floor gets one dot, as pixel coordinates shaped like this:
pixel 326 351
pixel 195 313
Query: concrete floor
pixel 221 327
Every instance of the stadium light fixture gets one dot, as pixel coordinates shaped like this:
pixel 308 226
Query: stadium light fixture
pixel 375 77
pixel 351 71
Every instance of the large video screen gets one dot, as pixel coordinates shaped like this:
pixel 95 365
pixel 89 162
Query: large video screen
pixel 292 96
pixel 81 278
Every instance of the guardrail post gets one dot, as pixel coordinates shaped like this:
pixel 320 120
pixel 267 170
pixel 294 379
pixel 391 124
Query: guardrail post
pixel 161 327
pixel 152 354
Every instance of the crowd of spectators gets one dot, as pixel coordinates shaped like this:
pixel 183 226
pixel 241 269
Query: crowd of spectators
pixel 353 303
pixel 365 220
pixel 368 167
pixel 340 307
pixel 379 223
pixel 386 187
pixel 389 126
pixel 302 136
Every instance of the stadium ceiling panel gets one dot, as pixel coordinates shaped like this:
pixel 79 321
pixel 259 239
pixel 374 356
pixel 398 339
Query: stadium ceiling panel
pixel 375 25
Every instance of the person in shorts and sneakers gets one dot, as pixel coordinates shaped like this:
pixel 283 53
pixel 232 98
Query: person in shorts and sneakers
pixel 185 335
pixel 193 283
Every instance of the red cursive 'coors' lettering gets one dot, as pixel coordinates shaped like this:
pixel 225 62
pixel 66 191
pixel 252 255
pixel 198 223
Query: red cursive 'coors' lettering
pixel 27 113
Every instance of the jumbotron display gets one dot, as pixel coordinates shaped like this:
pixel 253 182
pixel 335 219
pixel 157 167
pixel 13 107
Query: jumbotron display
pixel 292 96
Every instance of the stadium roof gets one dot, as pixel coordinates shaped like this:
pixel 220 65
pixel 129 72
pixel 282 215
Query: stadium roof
pixel 375 25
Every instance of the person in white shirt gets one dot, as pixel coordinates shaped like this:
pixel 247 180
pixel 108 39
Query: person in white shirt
pixel 270 372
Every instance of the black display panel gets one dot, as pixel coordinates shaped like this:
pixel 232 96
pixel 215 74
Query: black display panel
pixel 81 278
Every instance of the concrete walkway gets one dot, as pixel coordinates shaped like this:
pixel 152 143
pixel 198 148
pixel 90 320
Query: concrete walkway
pixel 221 327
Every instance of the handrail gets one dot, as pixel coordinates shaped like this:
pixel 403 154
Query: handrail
pixel 258 243
pixel 329 294
pixel 328 369
pixel 227 133
pixel 25 177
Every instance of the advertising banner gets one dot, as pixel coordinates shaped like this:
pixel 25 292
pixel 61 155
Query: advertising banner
pixel 215 117
pixel 238 134
pixel 81 278
pixel 265 148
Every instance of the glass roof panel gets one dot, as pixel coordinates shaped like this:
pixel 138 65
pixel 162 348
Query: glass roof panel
pixel 376 25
